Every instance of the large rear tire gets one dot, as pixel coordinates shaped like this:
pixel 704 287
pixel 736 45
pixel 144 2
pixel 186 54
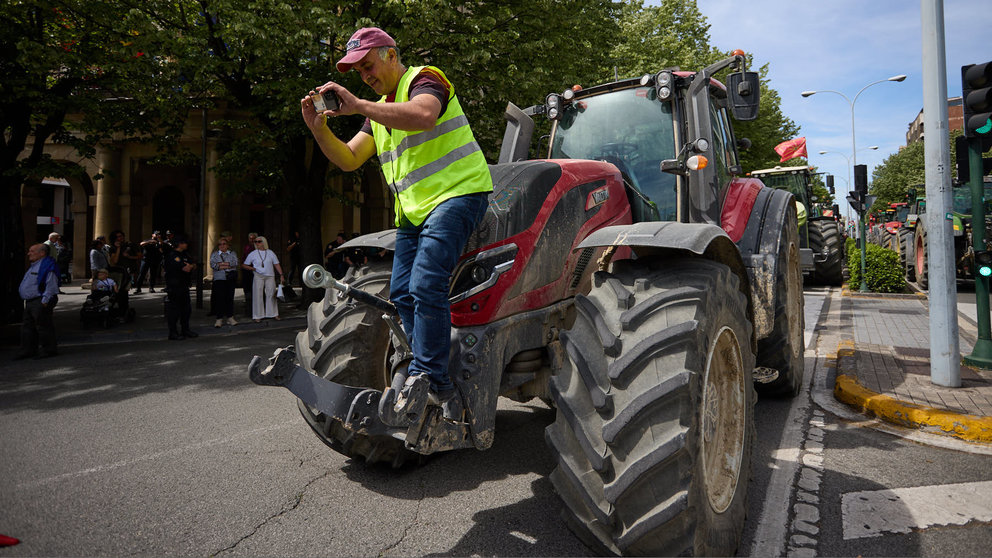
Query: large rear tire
pixel 783 349
pixel 905 256
pixel 922 263
pixel 655 424
pixel 349 343
pixel 824 238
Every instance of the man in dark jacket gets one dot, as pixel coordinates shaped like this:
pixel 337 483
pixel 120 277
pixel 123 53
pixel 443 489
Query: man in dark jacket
pixel 178 270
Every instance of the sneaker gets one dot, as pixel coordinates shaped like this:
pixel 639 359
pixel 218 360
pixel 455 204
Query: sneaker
pixel 230 321
pixel 219 322
pixel 151 290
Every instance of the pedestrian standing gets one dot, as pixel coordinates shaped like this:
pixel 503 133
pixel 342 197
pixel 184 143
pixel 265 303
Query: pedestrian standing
pixel 40 291
pixel 151 261
pixel 264 265
pixel 295 252
pixel 179 267
pixel 224 262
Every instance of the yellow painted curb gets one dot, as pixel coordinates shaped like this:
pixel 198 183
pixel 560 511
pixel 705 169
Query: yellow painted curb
pixel 967 427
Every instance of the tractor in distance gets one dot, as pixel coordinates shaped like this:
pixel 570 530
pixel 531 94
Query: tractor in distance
pixel 962 224
pixel 633 280
pixel 820 235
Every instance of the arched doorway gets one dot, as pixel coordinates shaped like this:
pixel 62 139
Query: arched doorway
pixel 169 210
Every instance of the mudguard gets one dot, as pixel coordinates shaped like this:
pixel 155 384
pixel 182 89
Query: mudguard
pixel 382 239
pixel 652 238
pixel 759 244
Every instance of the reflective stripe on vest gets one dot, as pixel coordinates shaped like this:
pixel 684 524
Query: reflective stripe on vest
pixel 426 168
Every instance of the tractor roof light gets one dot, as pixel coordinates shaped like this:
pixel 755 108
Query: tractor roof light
pixel 552 106
pixel 663 83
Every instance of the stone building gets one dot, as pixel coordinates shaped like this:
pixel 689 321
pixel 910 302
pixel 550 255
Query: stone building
pixel 137 196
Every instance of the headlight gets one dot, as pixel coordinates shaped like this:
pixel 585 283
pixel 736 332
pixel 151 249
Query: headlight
pixel 480 272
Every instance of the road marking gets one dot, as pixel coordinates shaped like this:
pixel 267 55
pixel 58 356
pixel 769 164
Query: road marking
pixel 772 529
pixel 153 456
pixel 871 513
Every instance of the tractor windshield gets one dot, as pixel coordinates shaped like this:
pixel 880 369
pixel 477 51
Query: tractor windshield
pixel 793 182
pixel 633 130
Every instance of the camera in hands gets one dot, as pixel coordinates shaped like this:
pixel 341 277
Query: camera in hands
pixel 325 101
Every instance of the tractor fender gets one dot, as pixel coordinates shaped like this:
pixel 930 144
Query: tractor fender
pixel 759 247
pixel 667 238
pixel 382 239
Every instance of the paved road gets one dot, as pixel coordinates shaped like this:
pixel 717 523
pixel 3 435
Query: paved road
pixel 155 448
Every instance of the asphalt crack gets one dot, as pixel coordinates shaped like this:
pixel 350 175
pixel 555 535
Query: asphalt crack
pixel 283 511
pixel 409 525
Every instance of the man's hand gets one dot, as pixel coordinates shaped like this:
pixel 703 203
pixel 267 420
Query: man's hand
pixel 347 103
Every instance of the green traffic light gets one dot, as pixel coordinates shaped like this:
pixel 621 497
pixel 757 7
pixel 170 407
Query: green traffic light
pixel 986 128
pixel 985 271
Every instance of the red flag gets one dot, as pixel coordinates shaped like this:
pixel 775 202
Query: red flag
pixel 790 149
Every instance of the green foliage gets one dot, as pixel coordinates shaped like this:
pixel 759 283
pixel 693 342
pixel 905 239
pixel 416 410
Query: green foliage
pixel 771 128
pixel 80 73
pixel 883 272
pixel 898 172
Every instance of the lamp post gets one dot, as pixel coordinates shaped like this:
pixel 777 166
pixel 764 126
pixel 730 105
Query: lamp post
pixel 854 157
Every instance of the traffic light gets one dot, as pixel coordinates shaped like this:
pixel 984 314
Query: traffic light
pixel 830 183
pixel 983 263
pixel 976 97
pixel 855 202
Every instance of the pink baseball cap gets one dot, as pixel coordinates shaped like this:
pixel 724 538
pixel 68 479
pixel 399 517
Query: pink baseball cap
pixel 364 40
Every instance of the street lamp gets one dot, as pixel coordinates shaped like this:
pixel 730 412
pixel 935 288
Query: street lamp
pixel 854 157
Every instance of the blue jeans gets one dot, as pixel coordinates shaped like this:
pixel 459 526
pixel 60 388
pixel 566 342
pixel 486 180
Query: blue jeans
pixel 425 257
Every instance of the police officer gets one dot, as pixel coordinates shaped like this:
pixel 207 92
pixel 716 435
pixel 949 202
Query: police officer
pixel 178 270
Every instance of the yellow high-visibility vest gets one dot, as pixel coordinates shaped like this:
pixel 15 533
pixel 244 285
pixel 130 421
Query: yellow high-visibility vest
pixel 426 168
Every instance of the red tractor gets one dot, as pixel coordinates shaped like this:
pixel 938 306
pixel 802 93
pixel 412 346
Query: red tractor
pixel 632 280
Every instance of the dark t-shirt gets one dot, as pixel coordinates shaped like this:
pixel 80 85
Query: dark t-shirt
pixel 426 83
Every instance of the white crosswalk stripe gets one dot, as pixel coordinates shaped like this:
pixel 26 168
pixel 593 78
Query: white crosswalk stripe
pixel 872 513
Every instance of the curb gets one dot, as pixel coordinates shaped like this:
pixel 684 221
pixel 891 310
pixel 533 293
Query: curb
pixel 846 291
pixel 848 390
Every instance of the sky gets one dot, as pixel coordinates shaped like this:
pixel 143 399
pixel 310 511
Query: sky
pixel 844 45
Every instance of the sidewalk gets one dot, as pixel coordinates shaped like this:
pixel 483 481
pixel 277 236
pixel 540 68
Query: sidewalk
pixel 883 368
pixel 149 323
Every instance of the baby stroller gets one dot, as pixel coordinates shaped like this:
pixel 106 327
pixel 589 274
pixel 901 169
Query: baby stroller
pixel 108 308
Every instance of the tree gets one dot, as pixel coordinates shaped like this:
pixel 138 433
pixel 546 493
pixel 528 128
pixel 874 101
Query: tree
pixel 77 73
pixel 676 34
pixel 262 58
pixel 898 172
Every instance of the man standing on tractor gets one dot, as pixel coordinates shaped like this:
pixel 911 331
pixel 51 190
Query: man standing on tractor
pixel 439 178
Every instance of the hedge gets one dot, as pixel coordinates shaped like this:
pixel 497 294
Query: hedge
pixel 884 273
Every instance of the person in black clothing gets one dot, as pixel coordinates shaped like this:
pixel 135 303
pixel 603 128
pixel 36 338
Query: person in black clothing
pixel 178 270
pixel 295 259
pixel 334 258
pixel 151 261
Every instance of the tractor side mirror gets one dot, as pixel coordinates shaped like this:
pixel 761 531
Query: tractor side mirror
pixel 744 89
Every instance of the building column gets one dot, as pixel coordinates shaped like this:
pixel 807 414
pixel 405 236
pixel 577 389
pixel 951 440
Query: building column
pixel 107 215
pixel 80 245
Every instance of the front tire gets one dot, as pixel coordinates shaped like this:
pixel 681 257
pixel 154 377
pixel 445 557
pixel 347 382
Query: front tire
pixel 922 263
pixel 655 424
pixel 349 343
pixel 783 349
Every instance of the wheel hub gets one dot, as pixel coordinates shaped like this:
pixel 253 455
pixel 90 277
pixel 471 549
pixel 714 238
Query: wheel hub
pixel 723 420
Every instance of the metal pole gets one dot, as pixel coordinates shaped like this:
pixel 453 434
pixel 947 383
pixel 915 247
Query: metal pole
pixel 203 188
pixel 945 354
pixel 981 355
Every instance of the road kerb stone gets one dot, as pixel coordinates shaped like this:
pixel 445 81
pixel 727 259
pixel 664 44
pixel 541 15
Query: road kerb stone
pixel 971 428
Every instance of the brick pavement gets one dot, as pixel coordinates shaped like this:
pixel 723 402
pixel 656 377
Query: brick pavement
pixel 884 368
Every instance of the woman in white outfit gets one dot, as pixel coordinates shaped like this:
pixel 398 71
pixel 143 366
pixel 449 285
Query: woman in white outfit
pixel 264 265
